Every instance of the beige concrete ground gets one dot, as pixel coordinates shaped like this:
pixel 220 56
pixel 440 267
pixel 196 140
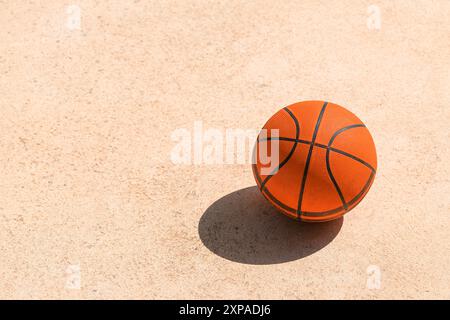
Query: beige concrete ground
pixel 92 207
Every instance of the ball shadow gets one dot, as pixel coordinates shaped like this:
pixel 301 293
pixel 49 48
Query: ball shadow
pixel 243 227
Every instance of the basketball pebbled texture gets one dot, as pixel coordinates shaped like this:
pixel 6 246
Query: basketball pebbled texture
pixel 327 161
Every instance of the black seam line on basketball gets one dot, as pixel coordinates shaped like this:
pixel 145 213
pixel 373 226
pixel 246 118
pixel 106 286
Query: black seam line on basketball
pixel 350 203
pixel 350 156
pixel 308 159
pixel 327 160
pixel 323 146
pixel 278 202
pixel 285 139
pixel 255 170
pixel 342 130
pixel 297 135
pixel 321 213
pixel 267 193
pixel 336 186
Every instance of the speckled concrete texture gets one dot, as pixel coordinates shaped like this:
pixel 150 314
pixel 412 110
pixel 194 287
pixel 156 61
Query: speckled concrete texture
pixel 93 207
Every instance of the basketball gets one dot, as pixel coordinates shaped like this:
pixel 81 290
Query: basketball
pixel 325 161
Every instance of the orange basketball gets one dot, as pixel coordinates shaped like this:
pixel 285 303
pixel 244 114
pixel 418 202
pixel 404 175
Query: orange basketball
pixel 326 161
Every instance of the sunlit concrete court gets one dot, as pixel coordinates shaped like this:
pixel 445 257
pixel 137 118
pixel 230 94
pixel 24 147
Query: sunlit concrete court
pixel 94 95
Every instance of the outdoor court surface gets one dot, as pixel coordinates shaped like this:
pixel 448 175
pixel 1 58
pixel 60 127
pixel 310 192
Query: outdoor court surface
pixel 93 207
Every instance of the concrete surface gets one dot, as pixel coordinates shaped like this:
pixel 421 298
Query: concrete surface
pixel 93 207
